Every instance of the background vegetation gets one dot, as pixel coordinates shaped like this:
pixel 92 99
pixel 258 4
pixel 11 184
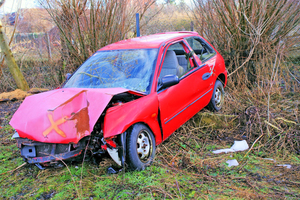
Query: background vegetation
pixel 259 41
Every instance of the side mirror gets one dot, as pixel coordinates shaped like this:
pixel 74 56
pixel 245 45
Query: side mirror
pixel 167 81
pixel 67 76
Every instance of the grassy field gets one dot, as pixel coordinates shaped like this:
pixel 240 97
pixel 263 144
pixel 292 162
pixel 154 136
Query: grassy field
pixel 184 168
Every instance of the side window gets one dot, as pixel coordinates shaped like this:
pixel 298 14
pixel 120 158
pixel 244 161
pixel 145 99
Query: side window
pixel 201 48
pixel 176 62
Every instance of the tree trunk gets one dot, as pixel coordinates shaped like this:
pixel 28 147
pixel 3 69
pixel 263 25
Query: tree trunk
pixel 11 63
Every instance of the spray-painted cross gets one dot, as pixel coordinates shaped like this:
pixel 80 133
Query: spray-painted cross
pixel 54 125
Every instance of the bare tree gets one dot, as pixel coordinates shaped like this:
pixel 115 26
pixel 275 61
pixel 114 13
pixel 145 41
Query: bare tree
pixel 87 25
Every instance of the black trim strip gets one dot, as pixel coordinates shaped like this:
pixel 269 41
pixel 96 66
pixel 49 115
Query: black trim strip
pixel 188 106
pixel 192 71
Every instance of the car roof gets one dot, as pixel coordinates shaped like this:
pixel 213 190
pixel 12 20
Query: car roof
pixel 149 41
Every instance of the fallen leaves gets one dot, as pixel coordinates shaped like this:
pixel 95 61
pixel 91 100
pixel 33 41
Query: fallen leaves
pixel 19 94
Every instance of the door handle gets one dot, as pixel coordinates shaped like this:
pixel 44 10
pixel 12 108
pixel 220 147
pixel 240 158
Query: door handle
pixel 206 76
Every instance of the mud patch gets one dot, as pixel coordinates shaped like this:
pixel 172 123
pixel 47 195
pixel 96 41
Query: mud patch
pixel 7 109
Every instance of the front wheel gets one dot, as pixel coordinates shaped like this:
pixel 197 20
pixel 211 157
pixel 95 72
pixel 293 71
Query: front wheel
pixel 140 147
pixel 217 98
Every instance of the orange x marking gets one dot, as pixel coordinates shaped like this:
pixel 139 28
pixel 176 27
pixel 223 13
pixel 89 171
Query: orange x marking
pixel 54 125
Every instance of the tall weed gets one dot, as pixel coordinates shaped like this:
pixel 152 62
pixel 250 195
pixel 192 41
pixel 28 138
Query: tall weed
pixel 251 35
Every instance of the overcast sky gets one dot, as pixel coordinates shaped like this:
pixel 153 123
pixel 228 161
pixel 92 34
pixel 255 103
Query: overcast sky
pixel 13 5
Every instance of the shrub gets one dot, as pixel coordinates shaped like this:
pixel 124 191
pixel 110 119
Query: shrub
pixel 86 26
pixel 253 36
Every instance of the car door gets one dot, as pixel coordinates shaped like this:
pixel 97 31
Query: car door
pixel 180 102
pixel 207 56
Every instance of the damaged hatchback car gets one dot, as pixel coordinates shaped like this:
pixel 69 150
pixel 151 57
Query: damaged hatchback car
pixel 125 100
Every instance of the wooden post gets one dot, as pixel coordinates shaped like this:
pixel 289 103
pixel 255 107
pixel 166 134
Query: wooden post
pixel 48 46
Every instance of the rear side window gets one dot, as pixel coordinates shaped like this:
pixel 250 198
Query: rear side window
pixel 201 48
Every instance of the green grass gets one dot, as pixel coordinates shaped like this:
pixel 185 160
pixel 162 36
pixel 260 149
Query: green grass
pixel 253 178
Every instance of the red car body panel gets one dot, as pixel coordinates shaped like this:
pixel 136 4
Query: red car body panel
pixel 61 116
pixel 148 42
pixel 179 103
pixel 143 110
pixel 220 68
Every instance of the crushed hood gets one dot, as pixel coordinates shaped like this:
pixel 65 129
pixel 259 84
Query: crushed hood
pixel 61 116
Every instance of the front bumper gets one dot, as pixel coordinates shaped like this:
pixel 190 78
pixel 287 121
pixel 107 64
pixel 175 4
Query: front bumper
pixel 37 152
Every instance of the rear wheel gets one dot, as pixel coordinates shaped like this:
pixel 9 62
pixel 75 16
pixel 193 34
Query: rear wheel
pixel 217 98
pixel 140 147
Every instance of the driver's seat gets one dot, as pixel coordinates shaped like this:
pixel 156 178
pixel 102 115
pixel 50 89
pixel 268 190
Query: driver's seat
pixel 171 66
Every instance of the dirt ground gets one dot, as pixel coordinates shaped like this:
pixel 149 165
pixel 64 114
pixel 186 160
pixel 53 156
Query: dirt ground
pixel 7 109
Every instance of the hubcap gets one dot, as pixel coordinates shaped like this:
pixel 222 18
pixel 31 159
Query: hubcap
pixel 144 145
pixel 218 97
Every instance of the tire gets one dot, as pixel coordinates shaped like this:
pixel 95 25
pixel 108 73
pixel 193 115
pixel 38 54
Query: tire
pixel 140 147
pixel 217 99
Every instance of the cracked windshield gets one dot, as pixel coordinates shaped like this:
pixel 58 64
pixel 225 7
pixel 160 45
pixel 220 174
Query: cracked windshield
pixel 130 69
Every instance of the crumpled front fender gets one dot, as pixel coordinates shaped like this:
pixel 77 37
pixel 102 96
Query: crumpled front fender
pixel 143 110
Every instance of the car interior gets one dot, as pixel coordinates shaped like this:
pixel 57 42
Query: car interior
pixel 176 59
pixel 171 65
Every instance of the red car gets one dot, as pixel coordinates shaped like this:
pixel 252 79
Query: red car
pixel 126 99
